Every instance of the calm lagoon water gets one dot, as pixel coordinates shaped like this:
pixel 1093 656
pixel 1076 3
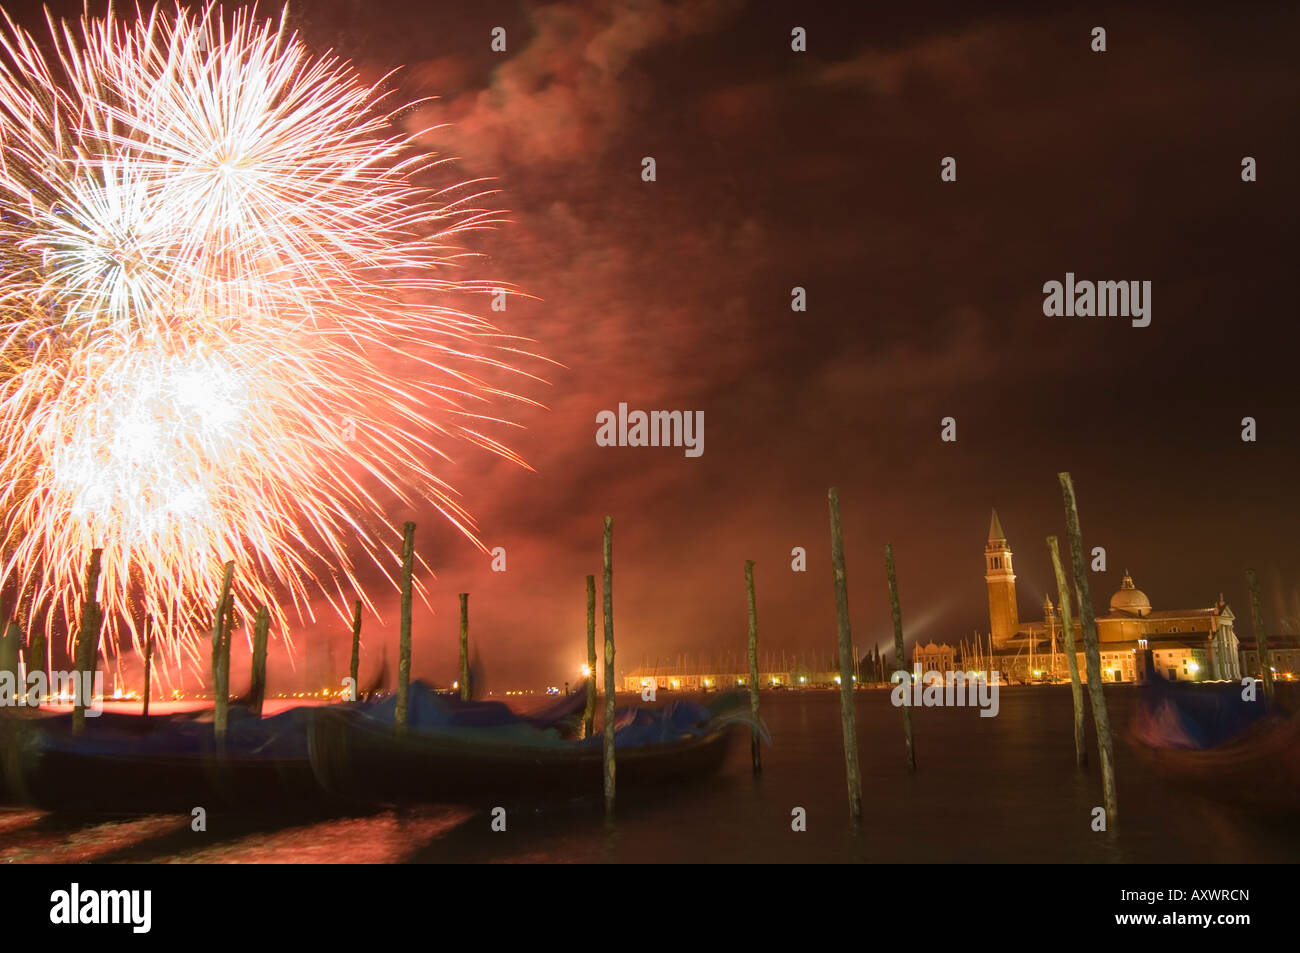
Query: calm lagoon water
pixel 987 789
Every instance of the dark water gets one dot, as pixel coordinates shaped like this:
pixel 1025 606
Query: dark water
pixel 987 789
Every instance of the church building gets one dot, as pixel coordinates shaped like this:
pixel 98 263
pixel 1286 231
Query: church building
pixel 1181 644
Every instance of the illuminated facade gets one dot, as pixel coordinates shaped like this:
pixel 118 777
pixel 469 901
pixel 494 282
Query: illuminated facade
pixel 934 657
pixel 1004 617
pixel 1284 651
pixel 704 678
pixel 1132 637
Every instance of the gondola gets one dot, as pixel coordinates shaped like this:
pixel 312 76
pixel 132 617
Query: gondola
pixel 361 756
pixel 1207 739
pixel 133 764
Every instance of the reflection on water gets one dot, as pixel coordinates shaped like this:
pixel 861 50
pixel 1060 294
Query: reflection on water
pixel 986 789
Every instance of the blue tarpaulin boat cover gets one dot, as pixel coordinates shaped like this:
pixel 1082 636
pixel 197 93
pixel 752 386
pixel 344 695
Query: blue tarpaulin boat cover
pixel 1197 716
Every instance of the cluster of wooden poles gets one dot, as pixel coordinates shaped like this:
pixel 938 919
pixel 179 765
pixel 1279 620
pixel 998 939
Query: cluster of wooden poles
pixel 402 713
pixel 87 640
pixel 1092 656
pixel 85 649
pixel 848 718
pixel 589 713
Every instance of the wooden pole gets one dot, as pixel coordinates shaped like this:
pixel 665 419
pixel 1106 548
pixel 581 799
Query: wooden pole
pixel 608 606
pixel 465 693
pixel 754 747
pixel 227 633
pixel 1261 636
pixel 1071 658
pixel 589 716
pixel 36 656
pixel 87 643
pixel 404 630
pixel 848 718
pixel 261 631
pixel 148 665
pixel 1091 653
pixel 10 640
pixel 354 670
pixel 897 613
pixel 221 655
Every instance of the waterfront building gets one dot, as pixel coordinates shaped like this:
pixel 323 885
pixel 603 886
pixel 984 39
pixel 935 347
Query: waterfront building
pixel 933 657
pixel 1133 637
pixel 1285 653
pixel 704 677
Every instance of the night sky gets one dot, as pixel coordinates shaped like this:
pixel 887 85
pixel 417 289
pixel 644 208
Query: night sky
pixel 821 169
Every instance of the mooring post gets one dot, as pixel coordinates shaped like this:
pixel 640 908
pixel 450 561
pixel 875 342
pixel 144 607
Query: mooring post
pixel 404 629
pixel 87 650
pixel 589 716
pixel 848 718
pixel 261 630
pixel 1067 623
pixel 11 637
pixel 1091 652
pixel 897 614
pixel 754 747
pixel 1261 636
pixel 148 665
pixel 221 623
pixel 36 660
pixel 465 693
pixel 608 600
pixel 354 669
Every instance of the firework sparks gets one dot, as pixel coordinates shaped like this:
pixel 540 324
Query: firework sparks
pixel 220 320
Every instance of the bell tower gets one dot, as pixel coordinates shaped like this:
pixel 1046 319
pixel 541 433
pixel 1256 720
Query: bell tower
pixel 1004 617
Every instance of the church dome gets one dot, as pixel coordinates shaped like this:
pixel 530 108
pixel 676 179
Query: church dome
pixel 1129 599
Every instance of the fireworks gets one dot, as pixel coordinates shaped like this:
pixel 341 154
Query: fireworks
pixel 221 322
